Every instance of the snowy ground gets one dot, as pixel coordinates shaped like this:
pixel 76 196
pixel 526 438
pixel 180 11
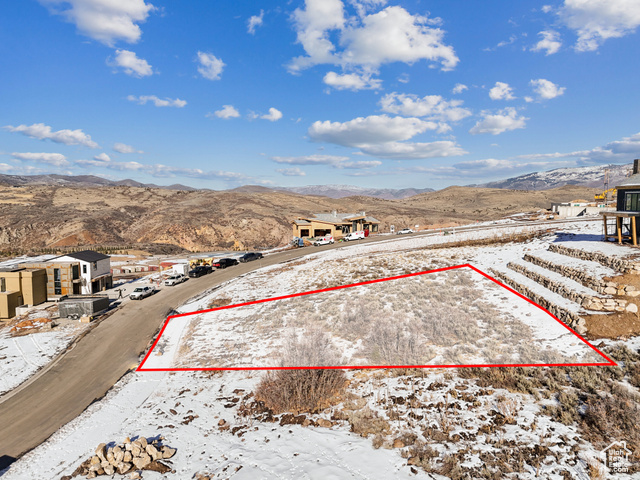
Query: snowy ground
pixel 479 425
pixel 22 356
pixel 452 317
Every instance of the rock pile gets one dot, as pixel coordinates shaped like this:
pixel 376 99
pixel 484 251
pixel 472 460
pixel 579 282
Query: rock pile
pixel 128 458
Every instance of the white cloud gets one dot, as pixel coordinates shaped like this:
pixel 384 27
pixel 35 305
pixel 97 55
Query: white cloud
pixel 598 20
pixel 545 89
pixel 546 8
pixel 311 160
pixel 104 20
pixel 501 91
pixel 352 81
pixel 550 42
pixel 273 116
pixel 330 160
pixel 131 64
pixel 408 150
pixel 374 129
pixel 210 66
pixel 528 99
pixel 254 22
pixel 291 172
pixel 102 157
pixel 42 132
pixel 124 148
pixel 158 102
pixel 364 6
pixel 433 107
pixel 227 111
pixel 383 136
pixel 368 41
pixel 459 88
pixel 504 120
pixel 55 159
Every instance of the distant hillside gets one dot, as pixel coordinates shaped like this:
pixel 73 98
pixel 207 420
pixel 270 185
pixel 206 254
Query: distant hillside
pixel 583 176
pixel 80 181
pixel 35 216
pixel 341 191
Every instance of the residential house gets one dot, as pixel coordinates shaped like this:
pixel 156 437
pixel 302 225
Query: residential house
pixel 334 223
pixel 95 270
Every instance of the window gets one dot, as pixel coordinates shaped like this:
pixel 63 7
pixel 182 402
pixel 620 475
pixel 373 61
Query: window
pixel 76 275
pixel 84 268
pixel 3 285
pixel 632 202
pixel 57 282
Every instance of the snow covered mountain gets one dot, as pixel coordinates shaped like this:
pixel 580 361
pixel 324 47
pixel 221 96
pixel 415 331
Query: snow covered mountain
pixel 592 176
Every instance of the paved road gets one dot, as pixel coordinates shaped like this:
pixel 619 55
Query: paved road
pixel 59 393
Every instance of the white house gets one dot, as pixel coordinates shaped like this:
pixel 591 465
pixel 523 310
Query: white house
pixel 95 270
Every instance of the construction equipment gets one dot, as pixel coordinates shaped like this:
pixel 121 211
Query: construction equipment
pixel 603 195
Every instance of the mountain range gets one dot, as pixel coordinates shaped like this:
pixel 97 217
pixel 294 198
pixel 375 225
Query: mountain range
pixel 590 176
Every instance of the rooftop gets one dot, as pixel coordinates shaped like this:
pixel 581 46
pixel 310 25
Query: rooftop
pixel 85 256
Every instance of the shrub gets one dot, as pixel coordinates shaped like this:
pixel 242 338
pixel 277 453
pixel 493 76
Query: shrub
pixel 366 422
pixel 304 390
pixel 299 391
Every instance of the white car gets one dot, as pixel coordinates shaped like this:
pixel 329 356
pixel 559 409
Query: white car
pixel 326 240
pixel 354 236
pixel 175 280
pixel 404 231
pixel 141 292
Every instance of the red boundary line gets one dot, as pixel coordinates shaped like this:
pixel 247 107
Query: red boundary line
pixel 141 368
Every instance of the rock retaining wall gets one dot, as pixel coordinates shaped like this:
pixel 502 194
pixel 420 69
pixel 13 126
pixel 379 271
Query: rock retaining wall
pixel 618 264
pixel 570 318
pixel 590 302
pixel 580 276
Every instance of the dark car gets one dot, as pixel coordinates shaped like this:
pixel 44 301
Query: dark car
pixel 248 257
pixel 225 262
pixel 199 271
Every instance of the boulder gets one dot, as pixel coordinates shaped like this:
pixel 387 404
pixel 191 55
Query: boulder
pixel 100 451
pixel 127 457
pixel 142 461
pixel 632 308
pixel 610 291
pixel 168 452
pixel 153 452
pixel 323 422
pixel 123 467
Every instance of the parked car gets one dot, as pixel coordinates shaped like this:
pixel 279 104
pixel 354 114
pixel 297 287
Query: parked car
pixel 326 240
pixel 249 257
pixel 225 262
pixel 404 231
pixel 141 292
pixel 354 236
pixel 199 271
pixel 175 280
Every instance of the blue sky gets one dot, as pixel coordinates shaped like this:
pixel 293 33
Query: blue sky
pixel 375 93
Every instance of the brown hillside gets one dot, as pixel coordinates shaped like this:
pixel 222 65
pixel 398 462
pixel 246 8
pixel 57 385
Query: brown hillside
pixel 35 217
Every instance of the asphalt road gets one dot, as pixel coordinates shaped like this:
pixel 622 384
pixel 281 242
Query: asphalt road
pixel 65 388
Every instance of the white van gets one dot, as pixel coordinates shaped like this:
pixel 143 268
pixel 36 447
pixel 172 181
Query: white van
pixel 354 236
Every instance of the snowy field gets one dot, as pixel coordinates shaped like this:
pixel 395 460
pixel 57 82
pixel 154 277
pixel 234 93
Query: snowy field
pixel 383 415
pixel 455 317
